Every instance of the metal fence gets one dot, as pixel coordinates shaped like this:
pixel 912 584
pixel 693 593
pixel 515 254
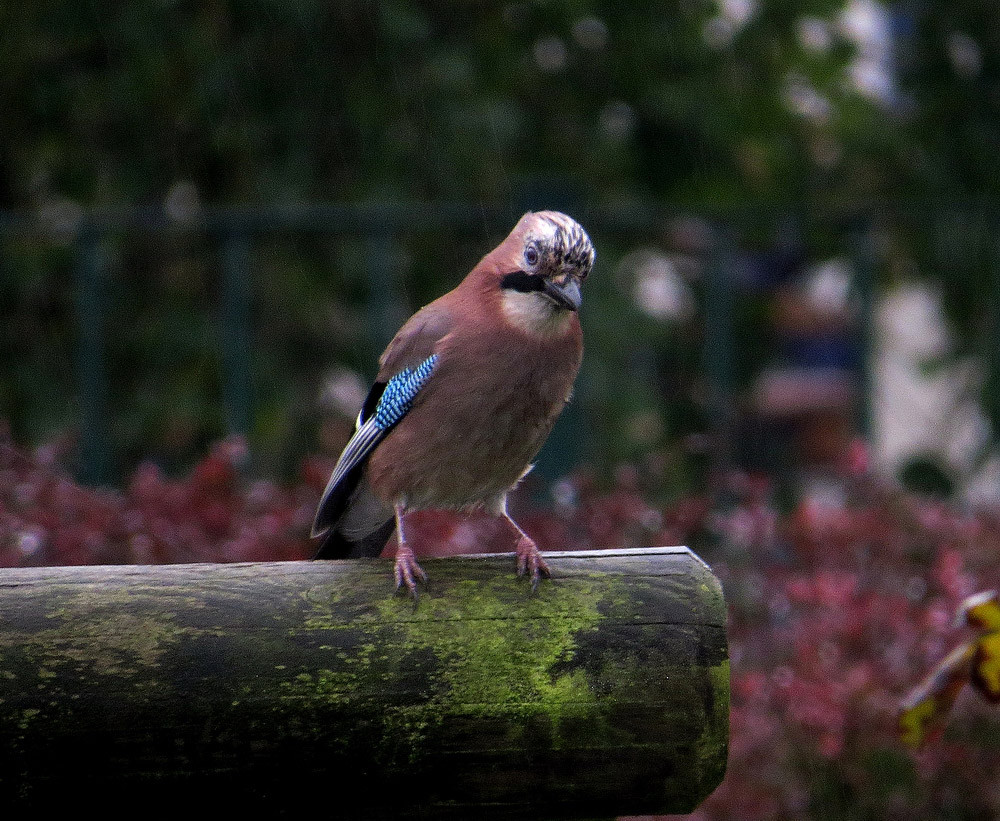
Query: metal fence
pixel 232 237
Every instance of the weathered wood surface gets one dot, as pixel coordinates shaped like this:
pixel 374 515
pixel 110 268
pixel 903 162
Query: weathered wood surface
pixel 278 688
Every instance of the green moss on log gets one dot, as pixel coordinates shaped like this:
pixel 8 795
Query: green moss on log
pixel 483 665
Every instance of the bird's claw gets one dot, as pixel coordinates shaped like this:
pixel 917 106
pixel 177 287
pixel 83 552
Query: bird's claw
pixel 530 561
pixel 408 572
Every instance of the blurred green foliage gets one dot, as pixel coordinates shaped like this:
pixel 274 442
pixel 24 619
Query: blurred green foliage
pixel 278 101
pixel 729 109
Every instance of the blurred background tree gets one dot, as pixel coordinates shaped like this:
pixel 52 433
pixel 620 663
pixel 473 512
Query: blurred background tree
pixel 789 118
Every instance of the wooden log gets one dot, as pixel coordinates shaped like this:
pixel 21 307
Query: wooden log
pixel 276 688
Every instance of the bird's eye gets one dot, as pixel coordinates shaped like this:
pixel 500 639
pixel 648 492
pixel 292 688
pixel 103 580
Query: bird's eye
pixel 531 255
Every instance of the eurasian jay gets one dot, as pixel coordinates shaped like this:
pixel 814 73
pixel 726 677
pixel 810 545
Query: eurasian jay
pixel 467 391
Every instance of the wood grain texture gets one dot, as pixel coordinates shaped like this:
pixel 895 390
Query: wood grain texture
pixel 273 688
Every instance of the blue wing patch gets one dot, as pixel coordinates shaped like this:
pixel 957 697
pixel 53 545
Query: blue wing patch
pixel 394 403
pixel 400 391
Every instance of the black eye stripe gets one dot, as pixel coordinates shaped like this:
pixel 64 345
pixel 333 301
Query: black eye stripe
pixel 523 282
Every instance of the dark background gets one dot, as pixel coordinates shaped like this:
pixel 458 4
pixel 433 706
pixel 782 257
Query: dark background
pixel 214 215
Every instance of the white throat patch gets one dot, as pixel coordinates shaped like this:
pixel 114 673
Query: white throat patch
pixel 534 313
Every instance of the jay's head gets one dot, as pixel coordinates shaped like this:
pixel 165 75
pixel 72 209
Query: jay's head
pixel 544 262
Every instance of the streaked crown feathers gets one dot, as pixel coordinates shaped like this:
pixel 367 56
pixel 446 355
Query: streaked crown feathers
pixel 559 240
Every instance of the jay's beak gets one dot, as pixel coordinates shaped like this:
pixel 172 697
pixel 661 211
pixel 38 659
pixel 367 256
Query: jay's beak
pixel 565 294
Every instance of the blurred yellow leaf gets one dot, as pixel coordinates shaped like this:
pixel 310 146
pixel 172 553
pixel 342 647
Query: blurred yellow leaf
pixel 926 706
pixel 986 666
pixel 981 611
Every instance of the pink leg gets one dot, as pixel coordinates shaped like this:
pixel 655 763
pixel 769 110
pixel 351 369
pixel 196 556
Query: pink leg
pixel 407 571
pixel 529 557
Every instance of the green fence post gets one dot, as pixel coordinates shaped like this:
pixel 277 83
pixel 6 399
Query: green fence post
pixel 863 255
pixel 718 352
pixel 991 386
pixel 384 316
pixel 88 282
pixel 236 297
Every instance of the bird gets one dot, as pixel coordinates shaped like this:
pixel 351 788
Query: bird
pixel 466 394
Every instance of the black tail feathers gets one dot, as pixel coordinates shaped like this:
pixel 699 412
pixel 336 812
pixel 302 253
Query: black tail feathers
pixel 337 546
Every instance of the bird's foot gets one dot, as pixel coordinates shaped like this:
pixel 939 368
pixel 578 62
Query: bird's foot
pixel 407 571
pixel 530 561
